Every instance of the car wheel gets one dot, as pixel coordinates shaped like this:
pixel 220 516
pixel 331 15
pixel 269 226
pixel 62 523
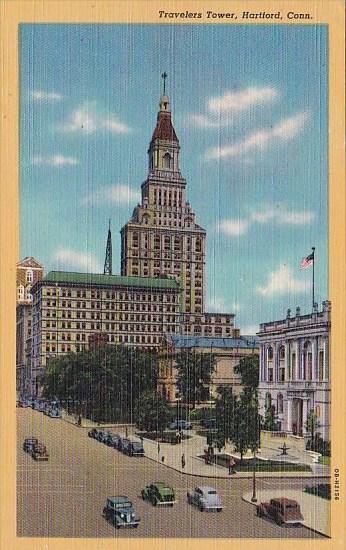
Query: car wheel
pixel 171 504
pixel 219 509
pixel 201 507
pixel 154 502
pixel 143 496
pixel 278 521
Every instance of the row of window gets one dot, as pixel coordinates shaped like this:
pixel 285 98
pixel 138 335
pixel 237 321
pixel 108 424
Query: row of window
pixel 110 295
pixel 121 339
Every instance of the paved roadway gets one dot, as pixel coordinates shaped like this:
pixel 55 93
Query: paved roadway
pixel 65 496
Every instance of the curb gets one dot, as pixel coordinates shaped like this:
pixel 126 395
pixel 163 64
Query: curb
pixel 234 476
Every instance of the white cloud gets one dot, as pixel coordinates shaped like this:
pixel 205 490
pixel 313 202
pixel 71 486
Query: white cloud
pixel 219 305
pixel 282 281
pixel 233 227
pixel 283 216
pixel 77 260
pixel 41 95
pixel 242 100
pixel 249 330
pixel 202 121
pixel 284 130
pixel 114 194
pixel 54 160
pixel 87 119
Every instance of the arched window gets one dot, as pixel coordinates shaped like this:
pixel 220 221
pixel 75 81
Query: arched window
pixel 307 361
pixel 167 161
pixel 318 411
pixel 282 352
pixel 270 353
pixel 280 403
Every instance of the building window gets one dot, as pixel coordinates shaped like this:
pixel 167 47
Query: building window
pixel 280 403
pixel 29 276
pixel 294 366
pixel 270 354
pixel 320 365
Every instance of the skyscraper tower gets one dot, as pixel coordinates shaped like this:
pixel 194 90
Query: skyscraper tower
pixel 162 238
pixel 107 270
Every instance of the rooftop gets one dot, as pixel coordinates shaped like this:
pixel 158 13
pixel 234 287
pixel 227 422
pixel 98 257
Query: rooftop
pixel 110 280
pixel 187 341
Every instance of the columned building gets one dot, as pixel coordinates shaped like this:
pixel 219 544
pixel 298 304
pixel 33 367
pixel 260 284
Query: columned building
pixel 294 370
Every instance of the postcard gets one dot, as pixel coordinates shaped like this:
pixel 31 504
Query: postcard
pixel 173 261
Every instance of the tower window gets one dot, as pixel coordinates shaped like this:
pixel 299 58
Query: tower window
pixel 167 161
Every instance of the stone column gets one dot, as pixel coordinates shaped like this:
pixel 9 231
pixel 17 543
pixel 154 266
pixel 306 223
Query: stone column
pixel 304 415
pixel 289 416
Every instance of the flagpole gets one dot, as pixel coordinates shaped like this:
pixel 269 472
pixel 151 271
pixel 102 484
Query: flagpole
pixel 313 278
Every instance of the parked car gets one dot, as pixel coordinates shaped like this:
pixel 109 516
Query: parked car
pixel 39 452
pixel 205 498
pixel 281 510
pixel 112 440
pixel 180 424
pixel 209 423
pixel 123 444
pixel 54 413
pixel 28 444
pixel 134 448
pixel 93 433
pixel 159 493
pixel 119 511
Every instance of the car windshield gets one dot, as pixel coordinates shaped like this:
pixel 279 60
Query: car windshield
pixel 294 506
pixel 120 505
pixel 137 445
pixel 212 492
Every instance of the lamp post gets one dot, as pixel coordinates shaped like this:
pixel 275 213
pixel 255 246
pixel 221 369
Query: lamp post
pixel 254 497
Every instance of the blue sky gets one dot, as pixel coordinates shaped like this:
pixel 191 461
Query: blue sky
pixel 249 108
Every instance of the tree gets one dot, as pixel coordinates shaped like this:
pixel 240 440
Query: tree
pixel 269 418
pixel 152 413
pixel 311 425
pixel 225 409
pixel 105 382
pixel 194 375
pixel 248 369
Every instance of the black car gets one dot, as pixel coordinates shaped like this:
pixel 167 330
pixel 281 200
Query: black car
pixel 29 444
pixel 134 448
pixel 122 444
pixel 93 433
pixel 113 440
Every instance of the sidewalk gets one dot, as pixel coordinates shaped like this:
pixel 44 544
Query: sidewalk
pixel 195 466
pixel 87 423
pixel 315 510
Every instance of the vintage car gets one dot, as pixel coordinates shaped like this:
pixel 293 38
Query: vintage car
pixel 123 443
pixel 180 425
pixel 39 452
pixel 205 498
pixel 28 444
pixel 281 510
pixel 159 493
pixel 134 448
pixel 54 413
pixel 93 433
pixel 112 440
pixel 119 511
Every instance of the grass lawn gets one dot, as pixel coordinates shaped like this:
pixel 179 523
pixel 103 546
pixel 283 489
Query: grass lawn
pixel 324 460
pixel 262 465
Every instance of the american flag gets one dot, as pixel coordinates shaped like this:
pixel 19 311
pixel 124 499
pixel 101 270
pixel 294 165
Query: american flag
pixel 307 262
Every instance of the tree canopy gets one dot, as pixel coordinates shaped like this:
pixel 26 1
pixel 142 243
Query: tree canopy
pixel 105 382
pixel 152 412
pixel 194 375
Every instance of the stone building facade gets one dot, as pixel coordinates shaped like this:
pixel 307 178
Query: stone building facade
pixel 227 352
pixel 294 370
pixel 70 308
pixel 163 236
pixel 23 348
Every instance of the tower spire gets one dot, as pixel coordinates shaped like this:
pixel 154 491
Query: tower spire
pixel 107 270
pixel 164 76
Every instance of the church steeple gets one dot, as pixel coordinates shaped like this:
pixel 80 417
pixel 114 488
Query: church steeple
pixel 164 146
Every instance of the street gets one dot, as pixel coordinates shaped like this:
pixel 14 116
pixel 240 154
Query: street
pixel 64 497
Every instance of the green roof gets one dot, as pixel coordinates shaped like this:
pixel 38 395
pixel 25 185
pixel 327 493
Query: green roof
pixel 70 277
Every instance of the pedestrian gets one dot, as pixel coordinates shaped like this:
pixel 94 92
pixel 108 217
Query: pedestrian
pixel 183 461
pixel 231 466
pixel 177 437
pixel 158 448
pixel 180 435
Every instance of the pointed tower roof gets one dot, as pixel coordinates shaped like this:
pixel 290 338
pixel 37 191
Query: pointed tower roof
pixel 164 128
